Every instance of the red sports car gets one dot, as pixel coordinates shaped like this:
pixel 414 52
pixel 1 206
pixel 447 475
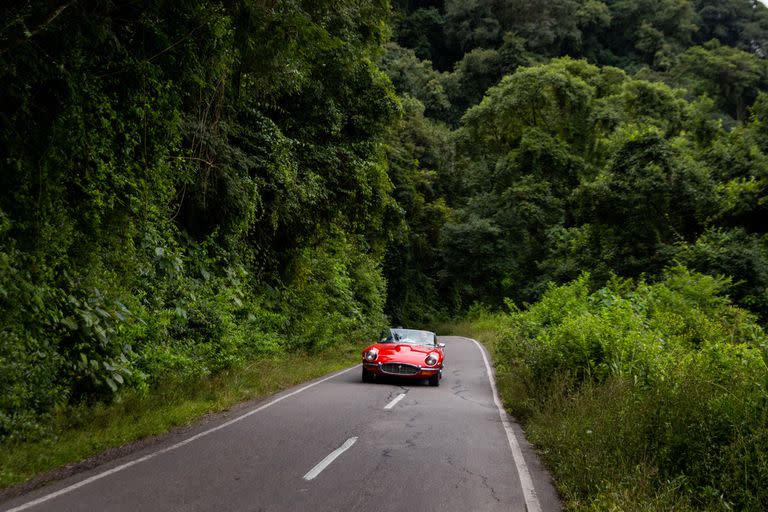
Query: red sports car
pixel 405 353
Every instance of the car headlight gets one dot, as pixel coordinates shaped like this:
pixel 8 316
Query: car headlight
pixel 371 355
pixel 431 359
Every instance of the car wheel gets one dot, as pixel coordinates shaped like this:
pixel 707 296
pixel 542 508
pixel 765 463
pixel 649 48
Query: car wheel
pixel 367 376
pixel 434 380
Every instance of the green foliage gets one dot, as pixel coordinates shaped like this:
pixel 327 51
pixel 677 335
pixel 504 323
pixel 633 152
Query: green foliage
pixel 29 362
pixel 733 76
pixel 471 24
pixel 643 392
pixel 560 27
pixel 473 74
pixel 421 30
pixel 335 289
pixel 566 165
pixel 416 78
pixel 186 187
pixel 650 31
pixel 549 97
pixel 648 198
pixel 733 252
pixel 419 153
pixel 738 23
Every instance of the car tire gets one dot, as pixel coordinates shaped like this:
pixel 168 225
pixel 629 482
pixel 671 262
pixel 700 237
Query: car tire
pixel 367 376
pixel 434 380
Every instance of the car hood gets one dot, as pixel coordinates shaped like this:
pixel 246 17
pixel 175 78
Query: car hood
pixel 403 352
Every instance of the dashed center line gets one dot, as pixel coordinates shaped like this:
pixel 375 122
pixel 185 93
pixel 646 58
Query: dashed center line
pixel 394 402
pixel 330 458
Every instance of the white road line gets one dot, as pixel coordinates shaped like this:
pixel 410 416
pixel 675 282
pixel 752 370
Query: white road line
pixel 152 455
pixel 529 491
pixel 394 402
pixel 330 458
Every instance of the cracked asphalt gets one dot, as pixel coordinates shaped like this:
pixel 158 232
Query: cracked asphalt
pixel 438 449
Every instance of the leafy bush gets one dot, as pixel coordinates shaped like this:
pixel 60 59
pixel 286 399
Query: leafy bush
pixel 29 360
pixel 647 392
pixel 184 188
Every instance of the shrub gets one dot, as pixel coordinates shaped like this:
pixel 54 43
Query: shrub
pixel 643 393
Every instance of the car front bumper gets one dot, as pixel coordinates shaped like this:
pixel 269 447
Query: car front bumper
pixel 396 369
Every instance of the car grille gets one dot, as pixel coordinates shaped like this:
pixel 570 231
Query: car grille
pixel 399 369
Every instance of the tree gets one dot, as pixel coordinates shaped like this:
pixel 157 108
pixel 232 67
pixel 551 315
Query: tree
pixel 742 24
pixel 651 32
pixel 471 24
pixel 738 254
pixel 419 154
pixel 733 77
pixel 649 198
pixel 421 31
pixel 416 78
pixel 184 185
pixel 554 97
pixel 473 75
pixel 556 28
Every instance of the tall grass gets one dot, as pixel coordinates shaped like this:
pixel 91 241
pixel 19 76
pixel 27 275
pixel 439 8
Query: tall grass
pixel 640 396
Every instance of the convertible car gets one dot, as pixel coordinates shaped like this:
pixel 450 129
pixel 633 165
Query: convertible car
pixel 405 353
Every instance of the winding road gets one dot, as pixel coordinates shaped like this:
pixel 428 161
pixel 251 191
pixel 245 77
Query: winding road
pixel 334 444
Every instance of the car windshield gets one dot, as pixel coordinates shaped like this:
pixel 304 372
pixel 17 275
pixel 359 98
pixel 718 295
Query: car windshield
pixel 407 336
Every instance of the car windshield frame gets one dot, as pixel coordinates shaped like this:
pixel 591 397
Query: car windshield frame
pixel 408 336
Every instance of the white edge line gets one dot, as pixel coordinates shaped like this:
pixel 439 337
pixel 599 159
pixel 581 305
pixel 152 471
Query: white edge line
pixel 329 458
pixel 99 476
pixel 394 402
pixel 529 491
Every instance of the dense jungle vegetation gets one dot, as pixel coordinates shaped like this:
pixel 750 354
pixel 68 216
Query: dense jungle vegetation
pixel 190 186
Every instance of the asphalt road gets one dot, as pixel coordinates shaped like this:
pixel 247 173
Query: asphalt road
pixel 433 449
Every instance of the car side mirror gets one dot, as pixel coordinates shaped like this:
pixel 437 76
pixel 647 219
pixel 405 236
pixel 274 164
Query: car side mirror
pixel 441 345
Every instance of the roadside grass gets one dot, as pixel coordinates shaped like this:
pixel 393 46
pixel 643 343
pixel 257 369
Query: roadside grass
pixel 79 432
